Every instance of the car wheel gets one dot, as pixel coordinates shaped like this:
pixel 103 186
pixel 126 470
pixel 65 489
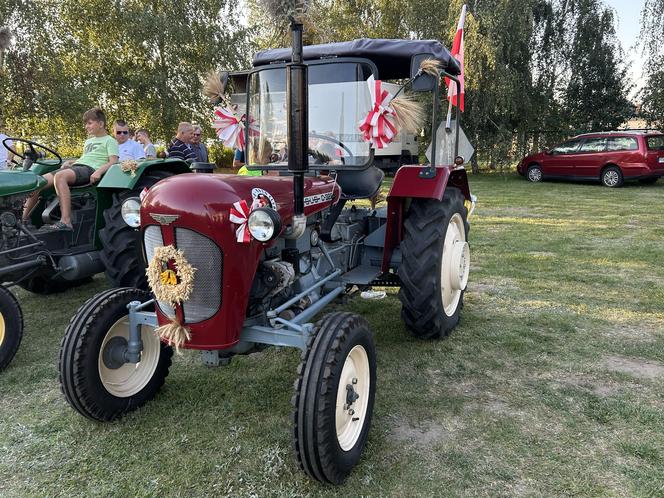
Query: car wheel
pixel 612 177
pixel 534 173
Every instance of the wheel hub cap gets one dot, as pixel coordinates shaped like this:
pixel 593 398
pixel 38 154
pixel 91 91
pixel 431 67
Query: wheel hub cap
pixel 2 329
pixel 611 178
pixel 352 398
pixel 460 265
pixel 126 379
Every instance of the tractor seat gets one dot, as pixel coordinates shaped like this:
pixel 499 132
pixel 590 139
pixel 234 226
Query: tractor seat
pixel 360 184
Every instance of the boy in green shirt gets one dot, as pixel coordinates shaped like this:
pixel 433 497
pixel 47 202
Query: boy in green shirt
pixel 100 152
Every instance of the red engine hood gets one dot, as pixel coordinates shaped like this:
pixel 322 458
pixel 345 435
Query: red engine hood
pixel 202 203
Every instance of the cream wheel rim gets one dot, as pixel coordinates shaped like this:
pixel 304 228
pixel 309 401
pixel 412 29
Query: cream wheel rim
pixel 355 385
pixel 130 378
pixel 455 264
pixel 2 329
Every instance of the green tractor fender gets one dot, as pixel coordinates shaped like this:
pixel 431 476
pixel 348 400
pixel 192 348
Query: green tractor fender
pixel 118 243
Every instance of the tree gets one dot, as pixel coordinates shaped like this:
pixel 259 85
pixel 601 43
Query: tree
pixel 142 61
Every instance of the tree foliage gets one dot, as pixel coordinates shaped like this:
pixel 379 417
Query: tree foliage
pixel 139 60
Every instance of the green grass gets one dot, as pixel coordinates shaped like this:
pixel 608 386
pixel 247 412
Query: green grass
pixel 551 385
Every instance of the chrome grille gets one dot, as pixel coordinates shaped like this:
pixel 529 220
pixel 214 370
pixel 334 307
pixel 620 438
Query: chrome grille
pixel 151 239
pixel 204 255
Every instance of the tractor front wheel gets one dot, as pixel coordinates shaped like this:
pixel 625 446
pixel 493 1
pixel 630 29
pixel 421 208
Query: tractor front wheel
pixel 94 383
pixel 121 252
pixel 11 326
pixel 334 397
pixel 435 264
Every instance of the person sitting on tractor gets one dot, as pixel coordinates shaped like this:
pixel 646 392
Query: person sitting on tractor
pixel 180 146
pixel 100 152
pixel 128 148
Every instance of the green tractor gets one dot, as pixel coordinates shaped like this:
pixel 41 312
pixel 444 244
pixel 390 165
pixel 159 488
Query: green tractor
pixel 105 220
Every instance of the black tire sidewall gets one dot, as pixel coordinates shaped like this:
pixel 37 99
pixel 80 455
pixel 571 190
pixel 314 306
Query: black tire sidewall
pixel 101 404
pixel 347 460
pixel 13 318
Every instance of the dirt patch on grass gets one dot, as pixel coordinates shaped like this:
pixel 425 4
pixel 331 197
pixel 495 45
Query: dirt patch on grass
pixel 424 437
pixel 640 332
pixel 603 389
pixel 498 286
pixel 637 367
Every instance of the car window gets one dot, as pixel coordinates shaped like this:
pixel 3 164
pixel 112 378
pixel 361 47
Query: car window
pixel 568 147
pixel 593 145
pixel 621 143
pixel 656 143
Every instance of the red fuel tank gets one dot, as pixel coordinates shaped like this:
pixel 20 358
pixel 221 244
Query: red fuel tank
pixel 191 212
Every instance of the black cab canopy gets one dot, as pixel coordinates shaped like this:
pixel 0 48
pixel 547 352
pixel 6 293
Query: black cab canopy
pixel 391 57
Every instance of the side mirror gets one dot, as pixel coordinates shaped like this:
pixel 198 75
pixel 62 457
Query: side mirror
pixel 548 152
pixel 423 82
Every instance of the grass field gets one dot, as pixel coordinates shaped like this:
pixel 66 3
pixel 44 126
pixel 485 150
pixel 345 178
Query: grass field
pixel 553 383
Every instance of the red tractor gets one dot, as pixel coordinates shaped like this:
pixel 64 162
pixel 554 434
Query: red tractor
pixel 242 262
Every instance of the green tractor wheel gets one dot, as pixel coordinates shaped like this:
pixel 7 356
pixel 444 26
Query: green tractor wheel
pixel 121 252
pixel 11 326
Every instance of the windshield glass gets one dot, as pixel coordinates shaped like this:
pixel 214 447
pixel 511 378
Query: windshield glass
pixel 656 143
pixel 338 100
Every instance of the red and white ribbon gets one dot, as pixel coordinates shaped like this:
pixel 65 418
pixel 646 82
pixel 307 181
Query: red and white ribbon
pixel 228 127
pixel 240 215
pixel 378 127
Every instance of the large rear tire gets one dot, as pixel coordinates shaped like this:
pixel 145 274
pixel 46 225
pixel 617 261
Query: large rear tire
pixel 334 397
pixel 435 264
pixel 92 384
pixel 11 326
pixel 121 248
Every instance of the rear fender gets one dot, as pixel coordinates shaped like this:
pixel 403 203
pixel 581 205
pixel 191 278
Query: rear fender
pixel 408 185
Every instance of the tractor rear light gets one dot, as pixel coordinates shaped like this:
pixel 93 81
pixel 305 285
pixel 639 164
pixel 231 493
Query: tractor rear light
pixel 131 212
pixel 264 224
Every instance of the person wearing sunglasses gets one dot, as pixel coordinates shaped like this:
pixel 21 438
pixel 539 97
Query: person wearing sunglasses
pixel 129 149
pixel 199 148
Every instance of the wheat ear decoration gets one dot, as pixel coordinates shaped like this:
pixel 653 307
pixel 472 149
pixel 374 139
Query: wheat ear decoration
pixel 213 88
pixel 408 113
pixel 431 66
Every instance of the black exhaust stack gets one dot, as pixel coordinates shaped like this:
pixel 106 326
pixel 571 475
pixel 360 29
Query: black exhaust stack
pixel 298 122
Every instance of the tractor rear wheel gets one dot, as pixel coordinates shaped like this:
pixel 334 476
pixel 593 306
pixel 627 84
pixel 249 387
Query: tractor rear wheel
pixel 93 383
pixel 121 248
pixel 435 264
pixel 11 326
pixel 334 397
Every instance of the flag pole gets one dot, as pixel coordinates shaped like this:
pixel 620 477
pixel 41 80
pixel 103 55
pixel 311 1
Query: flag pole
pixel 448 123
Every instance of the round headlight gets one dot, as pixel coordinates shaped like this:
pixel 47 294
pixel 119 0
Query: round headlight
pixel 131 212
pixel 264 224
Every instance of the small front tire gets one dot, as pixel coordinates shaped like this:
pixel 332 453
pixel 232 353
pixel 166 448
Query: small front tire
pixel 92 384
pixel 11 326
pixel 334 397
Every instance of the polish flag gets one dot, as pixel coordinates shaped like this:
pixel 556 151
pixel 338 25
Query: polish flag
pixel 457 53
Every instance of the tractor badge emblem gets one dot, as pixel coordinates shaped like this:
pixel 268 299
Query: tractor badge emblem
pixel 164 219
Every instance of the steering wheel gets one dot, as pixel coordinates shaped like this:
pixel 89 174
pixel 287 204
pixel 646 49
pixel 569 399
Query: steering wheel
pixel 319 156
pixel 33 155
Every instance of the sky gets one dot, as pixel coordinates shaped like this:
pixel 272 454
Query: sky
pixel 628 27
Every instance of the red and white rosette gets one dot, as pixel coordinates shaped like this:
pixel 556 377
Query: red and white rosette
pixel 229 127
pixel 240 215
pixel 378 127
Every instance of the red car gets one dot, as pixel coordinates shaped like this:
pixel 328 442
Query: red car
pixel 610 157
